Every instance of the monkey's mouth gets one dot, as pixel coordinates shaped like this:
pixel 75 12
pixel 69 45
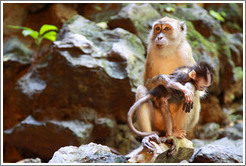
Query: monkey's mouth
pixel 160 45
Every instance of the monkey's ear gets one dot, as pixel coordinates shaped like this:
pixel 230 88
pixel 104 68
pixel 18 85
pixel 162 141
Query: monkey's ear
pixel 192 74
pixel 183 26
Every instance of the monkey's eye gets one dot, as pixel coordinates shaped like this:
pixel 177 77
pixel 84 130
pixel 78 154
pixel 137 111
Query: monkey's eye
pixel 157 28
pixel 167 28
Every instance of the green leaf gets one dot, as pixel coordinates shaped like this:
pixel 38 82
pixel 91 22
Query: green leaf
pixel 50 36
pixel 216 15
pixel 223 14
pixel 26 32
pixel 46 28
pixel 18 27
pixel 34 34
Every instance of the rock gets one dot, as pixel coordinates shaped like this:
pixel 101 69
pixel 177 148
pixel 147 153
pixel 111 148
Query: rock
pixel 234 16
pixel 231 133
pixel 16 62
pixel 98 12
pixel 114 60
pixel 134 19
pixel 36 7
pixel 220 151
pixel 125 140
pixel 80 79
pixel 104 131
pixel 208 131
pixel 197 143
pixel 14 14
pixel 239 127
pixel 34 138
pixel 90 153
pixel 184 152
pixel 14 50
pixel 239 111
pixel 55 14
pixel 30 160
pixel 211 112
pixel 204 23
pixel 235 42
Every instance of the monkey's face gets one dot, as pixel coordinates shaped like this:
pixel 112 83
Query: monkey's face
pixel 163 33
pixel 201 84
pixel 167 32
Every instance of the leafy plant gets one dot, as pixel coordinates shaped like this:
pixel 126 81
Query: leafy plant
pixel 46 32
pixel 217 15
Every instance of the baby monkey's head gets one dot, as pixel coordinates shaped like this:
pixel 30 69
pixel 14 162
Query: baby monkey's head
pixel 202 75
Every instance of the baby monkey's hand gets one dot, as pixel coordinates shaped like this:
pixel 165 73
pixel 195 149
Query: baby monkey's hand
pixel 188 94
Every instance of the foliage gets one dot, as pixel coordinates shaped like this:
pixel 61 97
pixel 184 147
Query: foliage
pixel 217 15
pixel 46 32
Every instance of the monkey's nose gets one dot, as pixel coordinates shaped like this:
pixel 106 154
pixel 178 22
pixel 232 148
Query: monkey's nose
pixel 159 38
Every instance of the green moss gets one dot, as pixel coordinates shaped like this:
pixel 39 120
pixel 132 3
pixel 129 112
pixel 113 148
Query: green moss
pixel 234 26
pixel 197 41
pixel 167 7
pixel 223 47
pixel 234 118
pixel 239 73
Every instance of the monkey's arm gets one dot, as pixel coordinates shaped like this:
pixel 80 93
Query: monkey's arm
pixel 169 83
pixel 187 89
pixel 158 80
pixel 187 106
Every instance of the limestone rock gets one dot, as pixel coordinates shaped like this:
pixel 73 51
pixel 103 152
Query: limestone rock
pixel 220 151
pixel 30 160
pixel 90 153
pixel 211 111
pixel 16 61
pixel 44 138
pixel 208 131
pixel 133 18
pixel 231 133
pixel 99 12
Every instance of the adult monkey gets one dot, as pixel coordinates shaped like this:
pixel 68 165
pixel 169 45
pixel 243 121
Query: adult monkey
pixel 168 49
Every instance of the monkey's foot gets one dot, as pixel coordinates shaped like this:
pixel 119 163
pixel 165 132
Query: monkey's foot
pixel 147 144
pixel 179 134
pixel 170 141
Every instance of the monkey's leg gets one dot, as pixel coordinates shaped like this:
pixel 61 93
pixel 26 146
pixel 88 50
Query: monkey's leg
pixel 179 121
pixel 168 122
pixel 166 114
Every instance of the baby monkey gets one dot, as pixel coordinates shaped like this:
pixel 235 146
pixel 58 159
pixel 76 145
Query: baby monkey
pixel 178 87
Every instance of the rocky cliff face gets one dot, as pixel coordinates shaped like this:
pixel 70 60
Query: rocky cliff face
pixel 82 87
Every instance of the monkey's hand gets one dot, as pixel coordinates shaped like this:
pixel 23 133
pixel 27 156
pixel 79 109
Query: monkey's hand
pixel 187 107
pixel 147 144
pixel 188 94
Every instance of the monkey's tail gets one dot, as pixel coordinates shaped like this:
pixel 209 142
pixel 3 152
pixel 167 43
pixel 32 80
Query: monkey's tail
pixel 133 110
